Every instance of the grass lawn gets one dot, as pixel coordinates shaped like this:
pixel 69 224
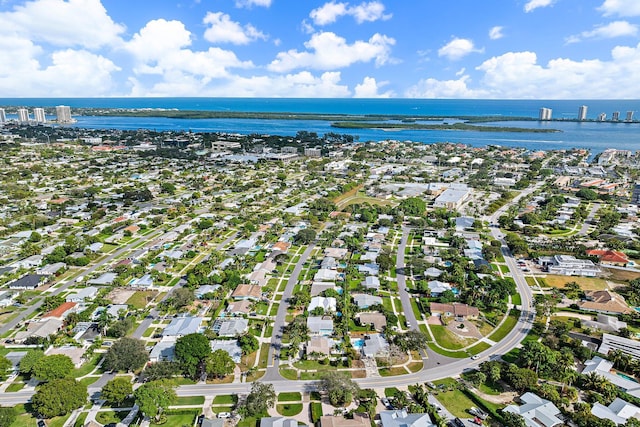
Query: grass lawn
pixel 224 399
pixel 586 283
pixel 479 348
pixel 460 354
pixel 80 420
pixel 516 299
pixel 621 275
pixel 89 380
pixel 218 409
pixel 456 402
pixel 88 367
pixel 140 299
pixel 148 332
pixel 290 374
pixel 289 397
pixel 391 391
pixel 394 370
pixel 182 417
pixel 415 366
pixel 531 281
pixel 446 339
pixel 249 422
pixel 183 381
pixel 106 417
pixel 289 409
pixel 190 400
pixel 506 326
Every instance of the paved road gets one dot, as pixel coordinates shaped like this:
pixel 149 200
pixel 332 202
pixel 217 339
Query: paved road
pixel 587 222
pixel 273 365
pixel 405 299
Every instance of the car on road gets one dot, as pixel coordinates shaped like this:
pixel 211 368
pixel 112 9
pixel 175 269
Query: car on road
pixel 475 357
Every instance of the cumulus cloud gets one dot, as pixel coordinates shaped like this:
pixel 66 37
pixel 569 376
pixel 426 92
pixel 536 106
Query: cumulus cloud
pixel 62 23
pixel 458 48
pixel 620 8
pixel 495 33
pixel 251 3
pixel 223 30
pixel 329 12
pixel 608 31
pixel 328 51
pixel 534 4
pixel 370 88
pixel 518 75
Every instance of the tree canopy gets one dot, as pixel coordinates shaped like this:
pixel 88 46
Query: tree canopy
pixel 155 396
pixel 53 367
pixel 191 352
pixel 127 354
pixel 59 397
pixel 219 364
pixel 339 388
pixel 261 397
pixel 117 390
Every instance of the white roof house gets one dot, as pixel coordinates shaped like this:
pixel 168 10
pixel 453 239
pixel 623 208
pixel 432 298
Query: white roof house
pixel 618 411
pixel 536 411
pixel 231 327
pixel 366 300
pixel 374 344
pixel 104 279
pixel 231 347
pixel 371 282
pixel 164 350
pixel 401 418
pixel 319 325
pixel 89 292
pixel 604 368
pixel 327 303
pixel 180 326
pixel 437 287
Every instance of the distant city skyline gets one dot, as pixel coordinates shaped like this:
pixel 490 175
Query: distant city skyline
pixel 496 49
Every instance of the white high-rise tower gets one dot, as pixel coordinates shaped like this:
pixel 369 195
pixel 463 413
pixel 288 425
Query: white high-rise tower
pixel 582 112
pixel 545 114
pixel 63 113
pixel 3 116
pixel 23 115
pixel 38 115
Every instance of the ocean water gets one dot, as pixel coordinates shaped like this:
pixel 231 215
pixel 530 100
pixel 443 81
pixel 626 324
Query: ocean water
pixel 594 136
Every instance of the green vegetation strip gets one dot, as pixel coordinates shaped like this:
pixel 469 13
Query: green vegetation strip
pixel 479 348
pixel 190 400
pixel 289 397
pixel 506 327
pixel 456 354
pixel 224 399
pixel 289 409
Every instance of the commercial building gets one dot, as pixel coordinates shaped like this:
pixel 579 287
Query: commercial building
pixel 39 116
pixel 452 198
pixel 602 117
pixel 23 115
pixel 625 345
pixel 569 265
pixel 3 116
pixel 615 116
pixel 63 114
pixel 629 117
pixel 545 114
pixel 582 112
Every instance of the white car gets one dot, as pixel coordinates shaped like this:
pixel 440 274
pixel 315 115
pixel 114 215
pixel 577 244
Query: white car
pixel 475 357
pixel 224 415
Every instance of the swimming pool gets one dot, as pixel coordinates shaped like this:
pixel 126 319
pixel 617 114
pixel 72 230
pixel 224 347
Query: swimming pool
pixel 357 343
pixel 626 377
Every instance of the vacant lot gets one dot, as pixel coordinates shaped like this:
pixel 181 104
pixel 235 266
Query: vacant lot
pixel 586 283
pixel 120 296
pixel 620 275
pixel 140 299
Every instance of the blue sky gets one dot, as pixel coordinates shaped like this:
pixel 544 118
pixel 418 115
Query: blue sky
pixel 516 49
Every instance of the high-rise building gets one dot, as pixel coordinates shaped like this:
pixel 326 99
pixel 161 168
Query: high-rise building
pixel 3 116
pixel 615 116
pixel 602 117
pixel 629 117
pixel 545 113
pixel 63 114
pixel 38 115
pixel 582 112
pixel 23 115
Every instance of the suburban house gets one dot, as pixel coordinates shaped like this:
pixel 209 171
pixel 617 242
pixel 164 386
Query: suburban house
pixel 30 281
pixel 239 308
pixel 371 282
pixel 608 257
pixel 73 353
pixel 7 298
pixel 319 344
pixel 205 289
pixel 376 319
pixel 87 293
pixel 230 327
pixel 400 418
pixel 605 301
pixel 145 281
pixel 320 325
pixel 605 323
pixel 41 329
pixel 370 269
pixel 618 411
pixel 536 411
pixel 325 275
pixel 604 368
pixel 62 311
pixel 569 265
pixel 358 420
pixel 51 269
pixel 164 351
pixel 433 272
pixel 181 326
pixel 375 345
pixel 30 262
pixel 366 300
pixel 436 287
pixel 458 310
pixel 247 292
pixel 103 279
pixel 231 347
pixel 319 287
pixel 327 303
pixel 625 345
pixel 278 422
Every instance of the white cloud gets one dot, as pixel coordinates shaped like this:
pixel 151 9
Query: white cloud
pixel 620 8
pixel 251 3
pixel 495 33
pixel 534 4
pixel 370 88
pixel 458 48
pixel 608 31
pixel 518 75
pixel 61 23
pixel 223 30
pixel 329 12
pixel 328 51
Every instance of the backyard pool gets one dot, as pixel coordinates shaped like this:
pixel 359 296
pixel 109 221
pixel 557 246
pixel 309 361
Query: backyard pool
pixel 357 343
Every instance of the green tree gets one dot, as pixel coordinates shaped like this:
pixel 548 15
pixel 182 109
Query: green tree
pixel 413 206
pixel 117 390
pixel 59 397
pixel 248 343
pixel 127 354
pixel 5 366
pixel 53 367
pixel 155 396
pixel 191 352
pixel 30 360
pixel 509 419
pixel 411 340
pixel 587 194
pixel 161 370
pixel 219 364
pixel 52 302
pixel 167 188
pixel 261 397
pixel 35 237
pixel 339 388
pixel 305 236
pixel 385 261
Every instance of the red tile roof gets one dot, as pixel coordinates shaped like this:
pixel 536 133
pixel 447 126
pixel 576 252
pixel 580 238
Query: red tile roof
pixel 61 310
pixel 609 256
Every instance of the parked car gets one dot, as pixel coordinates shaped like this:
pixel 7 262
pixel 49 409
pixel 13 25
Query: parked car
pixel 458 422
pixel 431 385
pixel 478 413
pixel 224 415
pixel 386 403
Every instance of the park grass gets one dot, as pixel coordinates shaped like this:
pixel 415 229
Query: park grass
pixel 415 366
pixel 446 339
pixel 586 283
pixel 189 400
pixel 139 299
pixel 289 409
pixel 289 397
pixel 224 399
pixel 506 327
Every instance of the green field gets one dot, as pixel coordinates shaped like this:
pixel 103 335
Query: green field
pixel 506 327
